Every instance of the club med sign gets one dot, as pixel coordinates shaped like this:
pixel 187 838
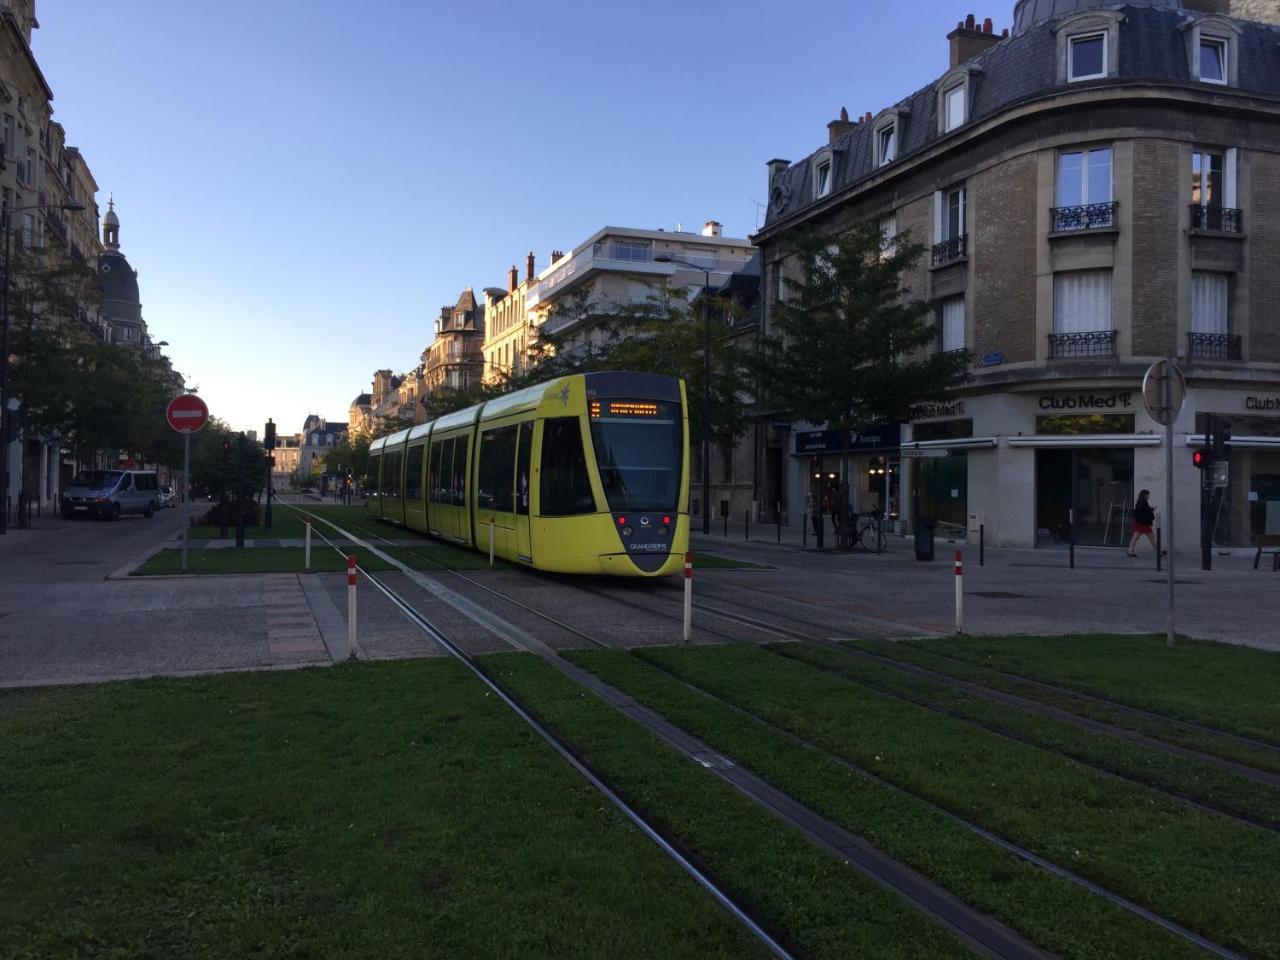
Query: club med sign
pixel 1088 401
pixel 1263 404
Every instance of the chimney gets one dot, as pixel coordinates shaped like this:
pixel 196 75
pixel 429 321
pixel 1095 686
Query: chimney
pixel 777 167
pixel 711 229
pixel 838 128
pixel 969 40
pixel 528 267
pixel 513 279
pixel 556 256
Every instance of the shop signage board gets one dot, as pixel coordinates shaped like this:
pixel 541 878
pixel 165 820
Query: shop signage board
pixel 913 454
pixel 886 436
pixel 1263 403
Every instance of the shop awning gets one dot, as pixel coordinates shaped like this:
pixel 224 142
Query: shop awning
pixel 1239 443
pixel 962 443
pixel 1078 440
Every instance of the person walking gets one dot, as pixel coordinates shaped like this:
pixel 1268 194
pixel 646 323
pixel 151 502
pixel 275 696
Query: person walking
pixel 811 508
pixel 1143 517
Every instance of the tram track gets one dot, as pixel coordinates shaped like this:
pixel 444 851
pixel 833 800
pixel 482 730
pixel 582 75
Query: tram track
pixel 989 836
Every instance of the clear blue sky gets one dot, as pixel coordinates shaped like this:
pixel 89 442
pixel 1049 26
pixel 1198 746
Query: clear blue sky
pixel 302 185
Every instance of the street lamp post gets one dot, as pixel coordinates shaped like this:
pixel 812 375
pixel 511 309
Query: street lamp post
pixel 706 383
pixel 7 405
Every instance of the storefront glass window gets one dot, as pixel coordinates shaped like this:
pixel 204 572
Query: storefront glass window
pixel 1249 506
pixel 1093 423
pixel 1103 490
pixel 944 492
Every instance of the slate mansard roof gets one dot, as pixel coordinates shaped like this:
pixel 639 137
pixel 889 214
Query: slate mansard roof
pixel 1022 67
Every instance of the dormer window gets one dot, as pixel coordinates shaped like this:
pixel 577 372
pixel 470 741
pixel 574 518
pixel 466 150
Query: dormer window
pixel 953 102
pixel 886 144
pixel 1213 60
pixel 1087 57
pixel 822 164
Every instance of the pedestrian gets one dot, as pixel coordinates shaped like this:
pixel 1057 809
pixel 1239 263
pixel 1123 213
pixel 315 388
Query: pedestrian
pixel 1143 517
pixel 811 508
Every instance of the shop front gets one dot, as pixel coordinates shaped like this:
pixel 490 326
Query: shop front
pixel 874 483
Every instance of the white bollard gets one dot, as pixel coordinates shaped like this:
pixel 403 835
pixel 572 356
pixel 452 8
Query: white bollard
pixel 688 596
pixel 491 543
pixel 306 557
pixel 351 606
pixel 959 592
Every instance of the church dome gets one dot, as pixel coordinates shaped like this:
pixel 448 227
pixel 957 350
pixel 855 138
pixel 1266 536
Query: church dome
pixel 1029 13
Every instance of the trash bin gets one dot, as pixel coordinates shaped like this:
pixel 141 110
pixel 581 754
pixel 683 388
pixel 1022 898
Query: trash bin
pixel 924 539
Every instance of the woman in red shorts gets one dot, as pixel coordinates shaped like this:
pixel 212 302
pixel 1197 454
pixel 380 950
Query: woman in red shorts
pixel 1143 517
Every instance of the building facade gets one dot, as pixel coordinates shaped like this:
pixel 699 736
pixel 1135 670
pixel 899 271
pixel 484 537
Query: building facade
pixel 509 327
pixel 317 440
pixel 1096 190
pixel 454 360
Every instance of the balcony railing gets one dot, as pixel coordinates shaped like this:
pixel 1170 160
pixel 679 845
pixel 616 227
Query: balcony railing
pixel 1213 346
pixel 949 250
pixel 1088 216
pixel 1217 219
pixel 1094 343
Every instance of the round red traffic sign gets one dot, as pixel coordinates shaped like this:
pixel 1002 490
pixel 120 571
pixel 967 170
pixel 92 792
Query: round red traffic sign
pixel 187 413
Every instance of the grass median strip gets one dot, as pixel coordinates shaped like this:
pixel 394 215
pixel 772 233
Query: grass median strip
pixel 1219 685
pixel 1049 910
pixel 936 657
pixel 229 560
pixel 376 810
pixel 1188 778
pixel 708 561
pixel 817 905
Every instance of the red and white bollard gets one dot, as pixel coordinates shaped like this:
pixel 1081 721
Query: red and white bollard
pixel 688 596
pixel 306 554
pixel 959 591
pixel 351 606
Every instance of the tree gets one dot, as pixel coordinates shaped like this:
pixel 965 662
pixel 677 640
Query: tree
pixel 851 346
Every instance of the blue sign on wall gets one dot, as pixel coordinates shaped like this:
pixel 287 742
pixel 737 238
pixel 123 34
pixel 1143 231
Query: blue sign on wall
pixel 992 359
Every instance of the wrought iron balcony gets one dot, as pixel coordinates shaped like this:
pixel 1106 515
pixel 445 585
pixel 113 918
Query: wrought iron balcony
pixel 1213 346
pixel 1087 216
pixel 1217 219
pixel 949 250
pixel 1094 343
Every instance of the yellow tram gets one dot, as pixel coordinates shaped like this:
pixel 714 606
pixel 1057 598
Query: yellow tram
pixel 583 474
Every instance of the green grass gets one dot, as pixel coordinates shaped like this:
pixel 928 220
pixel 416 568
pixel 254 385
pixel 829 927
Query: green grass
pixel 815 904
pixel 287 523
pixel 936 657
pixel 378 810
pixel 707 561
pixel 1188 778
pixel 1229 687
pixel 1213 876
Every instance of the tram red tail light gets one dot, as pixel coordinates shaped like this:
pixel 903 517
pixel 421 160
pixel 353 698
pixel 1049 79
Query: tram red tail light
pixel 622 521
pixel 666 521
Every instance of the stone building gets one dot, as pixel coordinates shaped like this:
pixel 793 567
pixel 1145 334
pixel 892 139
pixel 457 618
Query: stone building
pixel 1098 190
pixel 509 328
pixel 454 360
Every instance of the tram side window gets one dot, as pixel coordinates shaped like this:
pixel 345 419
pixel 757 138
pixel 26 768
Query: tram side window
pixel 460 471
pixel 566 486
pixel 391 482
pixel 497 461
pixel 413 475
pixel 441 471
pixel 522 468
pixel 372 484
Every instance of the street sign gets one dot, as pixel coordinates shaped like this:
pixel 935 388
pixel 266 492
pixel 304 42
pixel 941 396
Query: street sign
pixel 187 413
pixel 915 454
pixel 1153 392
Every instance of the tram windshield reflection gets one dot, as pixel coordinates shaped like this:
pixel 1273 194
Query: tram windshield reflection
pixel 638 452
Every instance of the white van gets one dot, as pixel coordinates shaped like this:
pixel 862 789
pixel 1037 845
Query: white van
pixel 106 494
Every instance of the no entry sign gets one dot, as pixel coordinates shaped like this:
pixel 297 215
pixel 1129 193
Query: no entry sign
pixel 187 413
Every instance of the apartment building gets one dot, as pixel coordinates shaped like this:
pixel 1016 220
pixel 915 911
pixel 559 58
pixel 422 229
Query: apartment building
pixel 509 327
pixel 454 360
pixel 1097 189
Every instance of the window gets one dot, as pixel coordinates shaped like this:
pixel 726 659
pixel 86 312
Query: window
pixel 889 236
pixel 10 136
pixel 565 489
pixel 822 179
pixel 441 470
pixel 886 144
pixel 497 466
pixel 1207 189
pixel 1213 60
pixel 782 286
pixel 391 476
pixel 1082 301
pixel 459 487
pixel 522 467
pixel 413 474
pixel 952 324
pixel 1209 303
pixel 949 214
pixel 726 462
pixel 1084 177
pixel 954 104
pixel 1087 57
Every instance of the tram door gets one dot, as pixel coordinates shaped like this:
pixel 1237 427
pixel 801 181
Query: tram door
pixel 524 549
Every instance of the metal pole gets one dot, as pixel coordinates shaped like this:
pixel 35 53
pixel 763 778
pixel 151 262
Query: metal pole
pixel 239 501
pixel 959 591
pixel 186 498
pixel 706 402
pixel 688 596
pixel 491 543
pixel 746 529
pixel 1071 513
pixel 352 643
pixel 777 512
pixel 306 557
pixel 1206 474
pixel 4 386
pixel 982 544
pixel 1168 489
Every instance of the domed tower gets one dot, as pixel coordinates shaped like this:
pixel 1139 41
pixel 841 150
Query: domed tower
pixel 118 283
pixel 1028 13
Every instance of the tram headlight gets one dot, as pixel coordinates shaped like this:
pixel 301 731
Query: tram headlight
pixel 626 531
pixel 662 531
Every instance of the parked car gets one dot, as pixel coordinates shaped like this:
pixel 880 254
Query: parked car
pixel 106 494
pixel 166 498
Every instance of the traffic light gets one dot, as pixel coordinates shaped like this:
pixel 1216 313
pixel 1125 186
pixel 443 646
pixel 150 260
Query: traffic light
pixel 1200 458
pixel 270 432
pixel 226 449
pixel 1221 437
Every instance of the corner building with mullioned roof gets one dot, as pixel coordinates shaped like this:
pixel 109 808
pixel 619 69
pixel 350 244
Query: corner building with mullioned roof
pixel 1099 188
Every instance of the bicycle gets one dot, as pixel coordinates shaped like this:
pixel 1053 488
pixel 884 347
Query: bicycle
pixel 868 534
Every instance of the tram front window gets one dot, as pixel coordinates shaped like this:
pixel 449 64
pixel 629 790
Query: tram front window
pixel 638 445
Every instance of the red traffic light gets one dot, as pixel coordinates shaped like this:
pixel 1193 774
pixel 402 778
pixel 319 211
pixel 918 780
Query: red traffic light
pixel 1199 458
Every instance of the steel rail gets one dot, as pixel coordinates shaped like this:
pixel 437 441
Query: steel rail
pixel 567 752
